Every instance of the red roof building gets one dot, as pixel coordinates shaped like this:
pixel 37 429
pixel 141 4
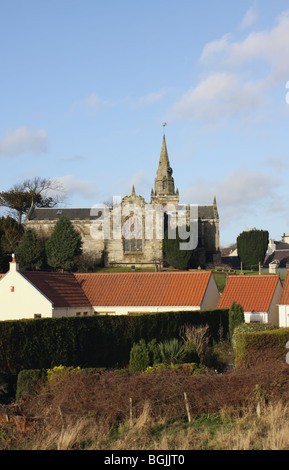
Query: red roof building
pixel 47 294
pixel 258 294
pixel 123 293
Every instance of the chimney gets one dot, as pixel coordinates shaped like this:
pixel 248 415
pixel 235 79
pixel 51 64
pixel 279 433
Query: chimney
pixel 13 265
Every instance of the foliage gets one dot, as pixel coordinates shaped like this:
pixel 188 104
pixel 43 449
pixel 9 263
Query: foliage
pixel 31 192
pixel 236 317
pixel 10 234
pixel 262 346
pixel 60 370
pixel 172 351
pixel 30 253
pixel 139 357
pixel 93 341
pixel 63 246
pixel 252 246
pixel 28 382
pixel 174 256
pixel 251 328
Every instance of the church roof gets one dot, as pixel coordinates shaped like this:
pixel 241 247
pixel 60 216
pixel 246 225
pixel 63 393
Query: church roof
pixel 180 288
pixel 39 213
pixel 205 212
pixel 253 292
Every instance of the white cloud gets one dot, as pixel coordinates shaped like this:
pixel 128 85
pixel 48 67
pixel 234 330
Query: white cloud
pixel 269 47
pixel 72 186
pixel 250 18
pixel 23 140
pixel 93 102
pixel 218 96
pixel 240 189
pixel 238 76
pixel 245 198
pixel 148 99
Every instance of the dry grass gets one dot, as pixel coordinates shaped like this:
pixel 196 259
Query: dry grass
pixel 239 410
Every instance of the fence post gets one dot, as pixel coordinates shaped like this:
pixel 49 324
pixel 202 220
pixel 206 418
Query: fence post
pixel 187 407
pixel 130 412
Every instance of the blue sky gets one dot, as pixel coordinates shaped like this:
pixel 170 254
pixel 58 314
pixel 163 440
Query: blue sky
pixel 85 86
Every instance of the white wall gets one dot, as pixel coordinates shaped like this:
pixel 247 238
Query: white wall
pixel 126 310
pixel 283 315
pixel 19 299
pixel 72 311
pixel 273 314
pixel 212 295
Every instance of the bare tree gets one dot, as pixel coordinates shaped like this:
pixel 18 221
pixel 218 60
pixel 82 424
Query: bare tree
pixel 198 334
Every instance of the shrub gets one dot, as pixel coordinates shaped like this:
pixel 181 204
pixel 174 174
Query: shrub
pixel 261 346
pixel 251 328
pixel 94 341
pixel 191 352
pixel 139 357
pixel 236 317
pixel 172 351
pixel 28 382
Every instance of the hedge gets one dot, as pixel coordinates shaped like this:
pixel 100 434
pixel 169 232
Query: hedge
pixel 93 341
pixel 259 347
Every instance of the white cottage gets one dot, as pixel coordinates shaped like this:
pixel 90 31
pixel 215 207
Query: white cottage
pixel 40 294
pixel 258 294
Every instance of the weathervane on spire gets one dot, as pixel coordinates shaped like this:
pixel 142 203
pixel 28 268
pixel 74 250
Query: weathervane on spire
pixel 164 125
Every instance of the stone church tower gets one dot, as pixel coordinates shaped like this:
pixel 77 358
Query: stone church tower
pixel 164 192
pixel 127 233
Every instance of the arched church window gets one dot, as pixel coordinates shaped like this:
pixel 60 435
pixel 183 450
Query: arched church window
pixel 164 184
pixel 132 231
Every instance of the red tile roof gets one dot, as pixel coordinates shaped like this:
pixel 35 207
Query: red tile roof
pixel 253 292
pixel 180 288
pixel 61 288
pixel 284 299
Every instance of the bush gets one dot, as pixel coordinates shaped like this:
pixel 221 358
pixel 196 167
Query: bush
pixel 191 352
pixel 139 357
pixel 172 351
pixel 261 346
pixel 251 328
pixel 28 382
pixel 236 317
pixel 94 341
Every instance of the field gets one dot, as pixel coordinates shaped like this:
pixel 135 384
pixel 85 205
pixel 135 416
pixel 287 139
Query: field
pixel 117 410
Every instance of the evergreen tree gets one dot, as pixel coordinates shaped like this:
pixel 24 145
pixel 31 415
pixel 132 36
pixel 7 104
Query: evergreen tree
pixel 11 233
pixel 30 253
pixel 252 247
pixel 179 259
pixel 4 260
pixel 63 246
pixel 236 317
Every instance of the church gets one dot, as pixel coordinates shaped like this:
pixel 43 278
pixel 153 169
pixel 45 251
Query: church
pixel 132 231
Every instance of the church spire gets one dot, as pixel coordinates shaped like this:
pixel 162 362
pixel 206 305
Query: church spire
pixel 164 190
pixel 164 182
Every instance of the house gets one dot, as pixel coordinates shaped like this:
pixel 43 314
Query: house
pixel 47 294
pixel 143 292
pixel 277 256
pixel 258 294
pixel 283 305
pixel 40 294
